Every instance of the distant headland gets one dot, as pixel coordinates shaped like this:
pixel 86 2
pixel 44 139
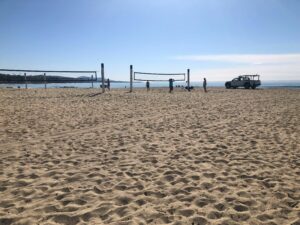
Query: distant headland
pixel 17 79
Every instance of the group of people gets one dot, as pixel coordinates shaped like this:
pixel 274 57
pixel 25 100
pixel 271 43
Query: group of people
pixel 171 86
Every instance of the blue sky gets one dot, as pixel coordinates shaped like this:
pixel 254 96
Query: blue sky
pixel 217 39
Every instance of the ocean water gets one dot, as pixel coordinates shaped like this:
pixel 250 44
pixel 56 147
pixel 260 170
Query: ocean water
pixel 265 84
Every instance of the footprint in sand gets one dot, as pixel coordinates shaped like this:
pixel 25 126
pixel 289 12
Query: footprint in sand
pixel 123 200
pixel 240 217
pixel 186 212
pixel 66 220
pixel 220 207
pixel 264 217
pixel 240 208
pixel 214 215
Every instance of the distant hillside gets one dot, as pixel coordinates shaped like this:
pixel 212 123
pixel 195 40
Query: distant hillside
pixel 7 78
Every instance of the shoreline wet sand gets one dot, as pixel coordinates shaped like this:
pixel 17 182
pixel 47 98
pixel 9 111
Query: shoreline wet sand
pixel 73 156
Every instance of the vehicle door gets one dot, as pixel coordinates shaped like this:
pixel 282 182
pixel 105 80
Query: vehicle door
pixel 235 82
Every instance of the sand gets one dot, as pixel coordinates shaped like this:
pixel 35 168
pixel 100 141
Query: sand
pixel 70 156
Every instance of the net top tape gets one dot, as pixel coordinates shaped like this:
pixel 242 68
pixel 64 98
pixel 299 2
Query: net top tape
pixel 160 74
pixel 163 74
pixel 158 80
pixel 49 71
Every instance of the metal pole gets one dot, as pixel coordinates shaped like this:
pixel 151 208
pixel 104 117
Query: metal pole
pixel 25 80
pixel 92 78
pixel 131 78
pixel 188 79
pixel 102 77
pixel 45 82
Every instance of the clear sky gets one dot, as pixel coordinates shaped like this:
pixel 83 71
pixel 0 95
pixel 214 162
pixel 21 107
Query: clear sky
pixel 216 39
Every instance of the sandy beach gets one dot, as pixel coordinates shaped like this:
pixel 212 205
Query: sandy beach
pixel 74 156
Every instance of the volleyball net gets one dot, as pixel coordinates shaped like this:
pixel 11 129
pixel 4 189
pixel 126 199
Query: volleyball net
pixel 46 76
pixel 159 77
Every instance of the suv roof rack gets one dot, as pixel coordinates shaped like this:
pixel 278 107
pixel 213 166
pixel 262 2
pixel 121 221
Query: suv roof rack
pixel 249 75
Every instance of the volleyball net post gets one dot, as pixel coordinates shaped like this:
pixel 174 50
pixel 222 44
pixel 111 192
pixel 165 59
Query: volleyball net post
pixel 188 79
pixel 92 79
pixel 45 81
pixel 102 77
pixel 131 78
pixel 25 78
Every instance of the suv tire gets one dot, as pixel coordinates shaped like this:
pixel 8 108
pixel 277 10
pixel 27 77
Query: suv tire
pixel 247 85
pixel 227 85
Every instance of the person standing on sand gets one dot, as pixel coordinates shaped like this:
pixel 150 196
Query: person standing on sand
pixel 204 84
pixel 171 85
pixel 148 85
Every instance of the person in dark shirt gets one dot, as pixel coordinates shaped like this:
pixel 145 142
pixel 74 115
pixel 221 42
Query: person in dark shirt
pixel 171 85
pixel 148 85
pixel 204 84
